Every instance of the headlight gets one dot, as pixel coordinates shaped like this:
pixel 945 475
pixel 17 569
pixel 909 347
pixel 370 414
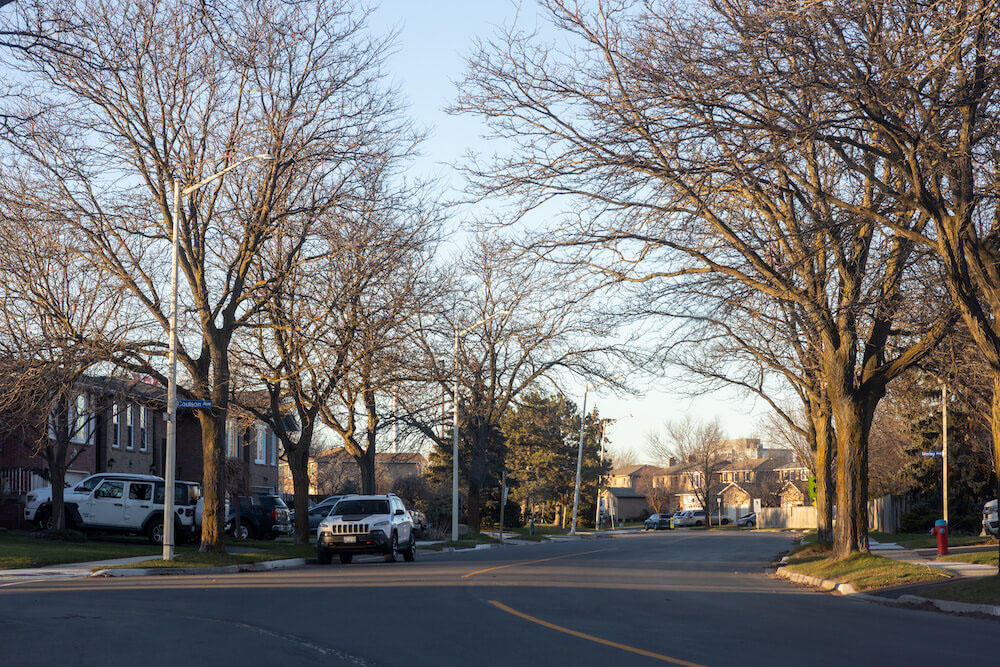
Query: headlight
pixel 379 524
pixel 32 498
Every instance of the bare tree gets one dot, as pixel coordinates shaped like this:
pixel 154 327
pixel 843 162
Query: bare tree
pixel 173 93
pixel 51 336
pixel 665 126
pixel 699 445
pixel 520 332
pixel 658 499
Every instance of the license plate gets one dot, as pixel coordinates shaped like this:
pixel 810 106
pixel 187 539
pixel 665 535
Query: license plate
pixel 350 539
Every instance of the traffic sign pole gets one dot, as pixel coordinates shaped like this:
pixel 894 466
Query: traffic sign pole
pixel 944 447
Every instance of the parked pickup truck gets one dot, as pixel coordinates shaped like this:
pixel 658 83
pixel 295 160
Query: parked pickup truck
pixel 262 516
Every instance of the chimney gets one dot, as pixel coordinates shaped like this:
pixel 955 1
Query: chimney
pixel 672 461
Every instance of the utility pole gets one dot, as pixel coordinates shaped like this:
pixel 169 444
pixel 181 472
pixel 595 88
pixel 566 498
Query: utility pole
pixel 503 499
pixel 579 454
pixel 944 446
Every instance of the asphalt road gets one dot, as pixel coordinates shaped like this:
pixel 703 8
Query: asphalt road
pixel 686 597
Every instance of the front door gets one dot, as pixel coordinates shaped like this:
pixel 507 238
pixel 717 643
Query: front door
pixel 106 504
pixel 138 503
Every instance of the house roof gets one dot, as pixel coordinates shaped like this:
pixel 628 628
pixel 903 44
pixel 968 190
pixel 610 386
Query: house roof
pixel 678 469
pixel 339 454
pixel 792 465
pixel 624 492
pixel 640 470
pixel 754 465
pixel 803 487
pixel 732 485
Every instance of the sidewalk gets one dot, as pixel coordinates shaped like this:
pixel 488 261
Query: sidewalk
pixel 63 570
pixel 926 557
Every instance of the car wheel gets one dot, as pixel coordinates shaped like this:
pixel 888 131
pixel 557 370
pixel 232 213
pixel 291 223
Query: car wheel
pixel 725 522
pixel 697 523
pixel 345 559
pixel 393 549
pixel 154 531
pixel 410 554
pixel 44 519
pixel 323 556
pixel 244 532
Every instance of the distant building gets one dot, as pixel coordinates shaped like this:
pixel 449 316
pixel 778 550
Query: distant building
pixel 638 477
pixel 335 470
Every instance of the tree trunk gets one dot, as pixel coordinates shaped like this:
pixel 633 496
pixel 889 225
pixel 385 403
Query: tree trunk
pixel 298 464
pixel 853 417
pixel 823 446
pixel 57 477
pixel 366 466
pixel 213 436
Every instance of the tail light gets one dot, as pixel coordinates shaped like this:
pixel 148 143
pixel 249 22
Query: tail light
pixel 274 515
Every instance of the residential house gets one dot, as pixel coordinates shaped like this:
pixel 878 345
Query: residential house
pixel 638 477
pixel 124 429
pixel 335 470
pixel 623 503
pixel 794 493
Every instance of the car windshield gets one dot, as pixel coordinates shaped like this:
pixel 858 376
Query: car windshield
pixel 361 507
pixel 89 484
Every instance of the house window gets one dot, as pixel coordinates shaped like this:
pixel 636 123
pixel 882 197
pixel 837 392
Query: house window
pixel 143 423
pixel 261 456
pixel 79 419
pixel 232 441
pixel 116 426
pixel 274 448
pixel 129 427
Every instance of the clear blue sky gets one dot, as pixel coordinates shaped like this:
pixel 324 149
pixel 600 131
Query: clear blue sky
pixel 435 38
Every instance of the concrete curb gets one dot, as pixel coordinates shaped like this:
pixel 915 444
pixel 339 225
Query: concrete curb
pixel 822 584
pixel 902 600
pixel 282 564
pixel 948 605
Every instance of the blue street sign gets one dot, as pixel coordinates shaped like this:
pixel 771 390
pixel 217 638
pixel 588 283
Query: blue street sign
pixel 194 405
pixel 934 453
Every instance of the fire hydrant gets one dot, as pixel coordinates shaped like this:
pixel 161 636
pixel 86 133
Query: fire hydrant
pixel 941 531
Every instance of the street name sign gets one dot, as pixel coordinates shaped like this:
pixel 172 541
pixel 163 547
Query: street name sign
pixel 929 454
pixel 194 405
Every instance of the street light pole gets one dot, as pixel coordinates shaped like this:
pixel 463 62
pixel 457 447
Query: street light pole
pixel 454 426
pixel 597 512
pixel 454 447
pixel 944 447
pixel 579 452
pixel 170 455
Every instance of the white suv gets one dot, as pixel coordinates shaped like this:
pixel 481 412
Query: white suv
pixel 990 523
pixel 366 525
pixel 38 505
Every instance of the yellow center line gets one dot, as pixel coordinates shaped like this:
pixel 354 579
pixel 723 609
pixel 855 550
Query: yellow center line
pixel 583 635
pixel 529 562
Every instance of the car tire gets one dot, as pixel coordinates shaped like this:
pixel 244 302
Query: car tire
pixel 725 522
pixel 390 557
pixel 697 523
pixel 345 559
pixel 410 554
pixel 244 532
pixel 154 531
pixel 44 519
pixel 323 556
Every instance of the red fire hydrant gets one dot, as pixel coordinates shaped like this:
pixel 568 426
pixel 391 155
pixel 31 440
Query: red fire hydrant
pixel 941 531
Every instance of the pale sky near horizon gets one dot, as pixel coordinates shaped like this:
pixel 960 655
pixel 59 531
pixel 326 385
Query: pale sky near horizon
pixel 434 40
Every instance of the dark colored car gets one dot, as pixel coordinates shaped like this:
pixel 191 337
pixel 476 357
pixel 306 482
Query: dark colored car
pixel 262 516
pixel 658 522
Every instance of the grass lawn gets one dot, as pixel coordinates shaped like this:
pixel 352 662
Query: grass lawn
pixel 467 542
pixel 979 558
pixel 981 590
pixel 17 551
pixel 922 541
pixel 191 557
pixel 863 571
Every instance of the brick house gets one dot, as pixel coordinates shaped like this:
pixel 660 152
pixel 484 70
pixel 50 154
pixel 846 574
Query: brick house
pixel 126 431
